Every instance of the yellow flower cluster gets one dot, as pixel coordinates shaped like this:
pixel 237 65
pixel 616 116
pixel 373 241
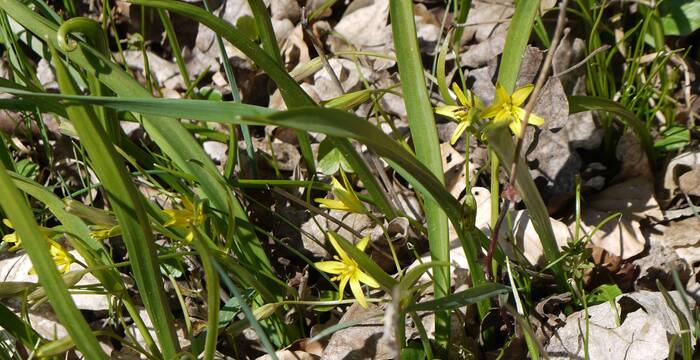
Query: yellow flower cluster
pixel 505 110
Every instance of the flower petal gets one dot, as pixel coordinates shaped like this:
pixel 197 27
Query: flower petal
pixel 502 118
pixel 458 131
pixel 331 267
pixel 501 95
pixel 366 279
pixel 448 111
pixel 535 120
pixel 332 204
pixel 460 95
pixel 341 286
pixel 520 95
pixel 362 244
pixel 357 292
pixel 343 255
pixel 491 111
pixel 515 127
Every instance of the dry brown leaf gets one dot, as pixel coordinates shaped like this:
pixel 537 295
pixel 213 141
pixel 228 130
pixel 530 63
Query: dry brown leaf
pixel 622 236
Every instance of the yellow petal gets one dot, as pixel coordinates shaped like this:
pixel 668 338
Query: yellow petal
pixel 502 118
pixel 491 111
pixel 458 131
pixel 357 292
pixel 341 286
pixel 501 95
pixel 331 267
pixel 362 244
pixel 520 95
pixel 348 197
pixel 332 204
pixel 535 120
pixel 7 223
pixel 515 127
pixel 449 111
pixel 335 183
pixel 460 96
pixel 343 255
pixel 367 279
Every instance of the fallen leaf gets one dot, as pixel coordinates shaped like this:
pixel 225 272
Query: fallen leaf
pixel 622 236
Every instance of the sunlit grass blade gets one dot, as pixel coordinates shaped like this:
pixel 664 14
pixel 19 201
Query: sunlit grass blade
pixel 500 140
pixel 19 329
pixel 17 210
pixel 470 296
pixel 292 93
pixel 126 204
pixel 170 136
pixel 427 146
pixel 93 252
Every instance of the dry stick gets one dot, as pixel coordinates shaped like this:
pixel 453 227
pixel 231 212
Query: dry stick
pixel 583 62
pixel 523 128
pixel 319 49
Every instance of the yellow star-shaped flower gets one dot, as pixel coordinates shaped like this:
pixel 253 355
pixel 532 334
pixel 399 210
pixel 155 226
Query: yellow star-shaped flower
pixel 506 109
pixel 60 256
pixel 463 114
pixel 186 218
pixel 345 197
pixel 347 270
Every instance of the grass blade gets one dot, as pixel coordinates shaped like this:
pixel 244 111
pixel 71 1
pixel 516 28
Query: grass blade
pixel 17 210
pixel 170 136
pixel 500 140
pixel 470 296
pixel 424 134
pixel 292 93
pixel 127 207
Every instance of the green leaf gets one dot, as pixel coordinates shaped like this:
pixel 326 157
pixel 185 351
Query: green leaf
pixel 128 208
pixel 247 25
pixel 679 17
pixel 603 293
pixel 427 146
pixel 673 138
pixel 411 277
pixel 462 298
pixel 18 211
pixel 331 159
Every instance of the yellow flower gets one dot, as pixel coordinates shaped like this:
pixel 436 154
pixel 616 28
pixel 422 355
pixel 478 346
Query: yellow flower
pixel 61 257
pixel 11 238
pixel 186 218
pixel 100 232
pixel 347 270
pixel 463 114
pixel 506 109
pixel 345 198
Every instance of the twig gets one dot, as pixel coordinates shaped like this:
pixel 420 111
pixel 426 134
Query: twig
pixel 584 61
pixel 319 49
pixel 523 128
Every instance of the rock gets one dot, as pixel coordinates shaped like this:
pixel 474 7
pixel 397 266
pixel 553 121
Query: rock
pixel 679 165
pixel 364 341
pixel 647 323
